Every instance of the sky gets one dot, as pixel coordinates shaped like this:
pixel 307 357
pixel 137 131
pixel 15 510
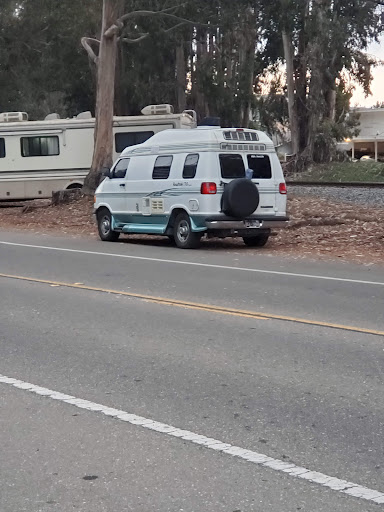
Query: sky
pixel 377 86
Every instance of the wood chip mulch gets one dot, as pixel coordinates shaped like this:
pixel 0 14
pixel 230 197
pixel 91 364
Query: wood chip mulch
pixel 318 228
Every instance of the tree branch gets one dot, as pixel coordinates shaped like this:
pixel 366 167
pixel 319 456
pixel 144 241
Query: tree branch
pixel 168 10
pixel 118 26
pixel 114 29
pixel 91 54
pixel 137 40
pixel 163 13
pixel 173 28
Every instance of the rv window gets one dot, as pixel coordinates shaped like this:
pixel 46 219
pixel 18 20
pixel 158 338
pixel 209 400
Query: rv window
pixel 232 166
pixel 2 148
pixel 190 167
pixel 162 167
pixel 261 166
pixel 120 169
pixel 126 139
pixel 39 146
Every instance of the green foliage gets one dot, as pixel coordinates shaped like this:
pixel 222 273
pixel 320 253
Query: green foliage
pixel 330 131
pixel 272 108
pixel 228 48
pixel 43 67
pixel 329 41
pixel 344 172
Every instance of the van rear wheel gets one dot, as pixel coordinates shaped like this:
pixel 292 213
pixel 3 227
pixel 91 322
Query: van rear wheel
pixel 256 241
pixel 184 237
pixel 104 225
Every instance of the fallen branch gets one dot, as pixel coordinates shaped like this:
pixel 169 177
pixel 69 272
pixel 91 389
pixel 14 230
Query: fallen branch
pixel 317 222
pixel 30 207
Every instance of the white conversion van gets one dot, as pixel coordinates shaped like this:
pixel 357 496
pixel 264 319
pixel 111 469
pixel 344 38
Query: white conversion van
pixel 218 182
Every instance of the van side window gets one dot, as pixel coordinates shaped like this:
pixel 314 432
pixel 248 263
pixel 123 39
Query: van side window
pixel 162 167
pixel 125 139
pixel 261 166
pixel 232 166
pixel 190 166
pixel 120 169
pixel 39 146
pixel 2 148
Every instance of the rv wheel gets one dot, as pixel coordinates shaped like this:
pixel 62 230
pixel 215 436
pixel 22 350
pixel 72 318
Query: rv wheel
pixel 184 237
pixel 104 223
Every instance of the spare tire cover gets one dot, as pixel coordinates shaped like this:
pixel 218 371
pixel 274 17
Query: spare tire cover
pixel 240 198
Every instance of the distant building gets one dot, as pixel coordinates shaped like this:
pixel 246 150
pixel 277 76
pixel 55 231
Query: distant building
pixel 370 141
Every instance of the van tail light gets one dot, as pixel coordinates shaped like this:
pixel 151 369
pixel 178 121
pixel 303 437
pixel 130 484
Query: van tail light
pixel 282 188
pixel 208 188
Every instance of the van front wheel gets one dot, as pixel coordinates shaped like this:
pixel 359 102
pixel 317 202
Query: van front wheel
pixel 184 237
pixel 104 224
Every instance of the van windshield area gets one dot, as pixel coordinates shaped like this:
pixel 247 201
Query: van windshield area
pixel 232 166
pixel 261 167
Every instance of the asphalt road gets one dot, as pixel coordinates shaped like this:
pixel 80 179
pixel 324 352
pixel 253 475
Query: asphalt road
pixel 302 392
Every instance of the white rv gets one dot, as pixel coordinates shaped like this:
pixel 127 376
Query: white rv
pixel 184 184
pixel 39 157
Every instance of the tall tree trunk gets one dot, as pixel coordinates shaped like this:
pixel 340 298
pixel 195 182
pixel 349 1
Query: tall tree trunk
pixel 201 103
pixel 247 106
pixel 316 105
pixel 119 99
pixel 330 99
pixel 292 111
pixel 229 78
pixel 181 77
pixel 103 149
pixel 301 77
pixel 248 72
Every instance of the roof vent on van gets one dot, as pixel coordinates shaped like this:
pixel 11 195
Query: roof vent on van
pixel 241 134
pixel 51 117
pixel 12 117
pixel 153 110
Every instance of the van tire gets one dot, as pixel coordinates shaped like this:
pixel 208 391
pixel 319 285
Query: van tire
pixel 240 198
pixel 256 241
pixel 104 223
pixel 183 235
pixel 171 238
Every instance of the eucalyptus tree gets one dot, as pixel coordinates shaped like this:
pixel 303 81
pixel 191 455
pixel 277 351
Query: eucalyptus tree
pixel 323 41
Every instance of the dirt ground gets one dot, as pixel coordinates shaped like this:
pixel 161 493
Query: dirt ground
pixel 318 229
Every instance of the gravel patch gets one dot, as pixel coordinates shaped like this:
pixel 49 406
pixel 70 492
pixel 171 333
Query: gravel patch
pixel 364 196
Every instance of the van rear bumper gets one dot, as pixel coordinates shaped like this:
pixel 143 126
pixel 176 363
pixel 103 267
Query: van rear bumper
pixel 223 222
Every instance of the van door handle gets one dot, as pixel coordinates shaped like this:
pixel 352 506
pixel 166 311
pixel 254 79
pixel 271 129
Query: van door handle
pixel 122 184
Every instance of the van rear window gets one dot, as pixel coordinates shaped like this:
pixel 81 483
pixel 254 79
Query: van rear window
pixel 232 166
pixel 261 166
pixel 2 148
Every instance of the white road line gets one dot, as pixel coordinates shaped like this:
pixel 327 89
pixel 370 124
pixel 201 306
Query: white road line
pixel 196 264
pixel 336 484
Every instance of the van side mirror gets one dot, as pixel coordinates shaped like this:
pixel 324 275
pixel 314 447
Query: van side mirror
pixel 106 172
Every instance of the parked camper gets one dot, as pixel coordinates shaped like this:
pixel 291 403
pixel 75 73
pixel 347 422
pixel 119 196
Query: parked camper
pixel 39 157
pixel 188 183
